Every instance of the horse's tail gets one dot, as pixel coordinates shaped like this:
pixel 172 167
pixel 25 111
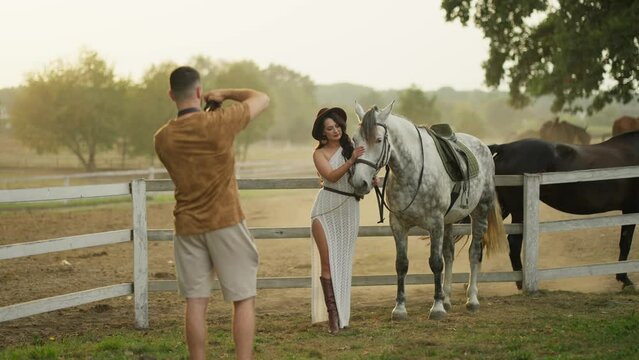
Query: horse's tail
pixel 495 236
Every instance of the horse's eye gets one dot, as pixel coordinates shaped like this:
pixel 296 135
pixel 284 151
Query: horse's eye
pixel 379 140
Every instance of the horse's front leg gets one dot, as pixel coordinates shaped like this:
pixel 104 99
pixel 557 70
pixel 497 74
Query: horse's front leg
pixel 400 233
pixel 436 262
pixel 449 257
pixel 625 241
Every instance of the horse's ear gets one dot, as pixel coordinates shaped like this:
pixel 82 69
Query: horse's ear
pixel 383 115
pixel 359 110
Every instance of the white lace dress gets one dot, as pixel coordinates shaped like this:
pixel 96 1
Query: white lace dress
pixel 339 216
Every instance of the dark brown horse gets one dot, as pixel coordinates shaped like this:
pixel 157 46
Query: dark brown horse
pixel 538 156
pixel 564 132
pixel 625 124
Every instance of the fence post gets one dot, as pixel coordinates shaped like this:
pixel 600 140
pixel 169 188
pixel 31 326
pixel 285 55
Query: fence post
pixel 531 232
pixel 140 255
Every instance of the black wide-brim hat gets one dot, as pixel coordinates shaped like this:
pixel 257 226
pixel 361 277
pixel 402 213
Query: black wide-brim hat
pixel 318 126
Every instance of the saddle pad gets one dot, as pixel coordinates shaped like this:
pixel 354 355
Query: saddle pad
pixel 455 155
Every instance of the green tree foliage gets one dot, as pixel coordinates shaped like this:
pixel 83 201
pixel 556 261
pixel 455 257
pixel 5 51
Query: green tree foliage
pixel 208 69
pixel 415 105
pixel 246 74
pixel 464 118
pixel 73 106
pixel 571 49
pixel 372 98
pixel 149 107
pixel 294 95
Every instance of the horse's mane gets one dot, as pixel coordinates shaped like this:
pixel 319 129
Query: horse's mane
pixel 368 127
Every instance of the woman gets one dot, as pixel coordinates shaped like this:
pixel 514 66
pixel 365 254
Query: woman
pixel 335 218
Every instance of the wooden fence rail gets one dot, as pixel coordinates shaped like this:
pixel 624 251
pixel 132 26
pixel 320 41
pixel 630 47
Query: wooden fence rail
pixel 140 235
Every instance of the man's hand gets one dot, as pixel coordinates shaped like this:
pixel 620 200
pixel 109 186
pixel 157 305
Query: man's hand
pixel 215 95
pixel 257 101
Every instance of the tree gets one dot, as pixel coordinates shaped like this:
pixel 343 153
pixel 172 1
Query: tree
pixel 465 119
pixel 582 52
pixel 148 108
pixel 73 106
pixel 208 69
pixel 296 107
pixel 415 105
pixel 246 74
pixel 372 98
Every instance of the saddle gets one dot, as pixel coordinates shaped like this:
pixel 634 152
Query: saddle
pixel 460 163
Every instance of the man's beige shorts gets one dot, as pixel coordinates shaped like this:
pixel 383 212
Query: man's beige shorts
pixel 229 252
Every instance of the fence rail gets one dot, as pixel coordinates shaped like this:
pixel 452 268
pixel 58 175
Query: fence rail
pixel 140 235
pixel 12 251
pixel 64 193
pixel 532 227
pixel 261 168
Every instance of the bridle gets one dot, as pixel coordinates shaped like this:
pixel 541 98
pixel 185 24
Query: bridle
pixel 384 157
pixel 382 162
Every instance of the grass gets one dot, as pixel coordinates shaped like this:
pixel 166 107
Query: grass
pixel 511 328
pixel 124 345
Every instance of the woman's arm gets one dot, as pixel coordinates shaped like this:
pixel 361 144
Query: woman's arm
pixel 324 167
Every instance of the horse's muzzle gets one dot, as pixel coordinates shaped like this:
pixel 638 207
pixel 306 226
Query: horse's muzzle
pixel 362 188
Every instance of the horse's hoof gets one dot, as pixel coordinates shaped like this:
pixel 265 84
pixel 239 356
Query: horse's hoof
pixel 520 285
pixel 399 315
pixel 437 315
pixel 399 312
pixel 447 306
pixel 472 307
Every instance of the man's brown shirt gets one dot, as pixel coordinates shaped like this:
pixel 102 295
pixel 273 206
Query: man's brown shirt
pixel 197 151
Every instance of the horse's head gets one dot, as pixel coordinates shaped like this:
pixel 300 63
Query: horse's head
pixel 373 136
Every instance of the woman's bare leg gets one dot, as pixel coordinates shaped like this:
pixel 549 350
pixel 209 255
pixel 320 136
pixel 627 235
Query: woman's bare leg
pixel 322 247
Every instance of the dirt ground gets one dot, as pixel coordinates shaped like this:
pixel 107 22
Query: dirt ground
pixel 40 276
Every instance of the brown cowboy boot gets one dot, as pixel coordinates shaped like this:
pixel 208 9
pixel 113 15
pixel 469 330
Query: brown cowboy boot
pixel 329 298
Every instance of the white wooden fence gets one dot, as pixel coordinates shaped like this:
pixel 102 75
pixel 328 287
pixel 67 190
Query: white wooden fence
pixel 246 169
pixel 139 234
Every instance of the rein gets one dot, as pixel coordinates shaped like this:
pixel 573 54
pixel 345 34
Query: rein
pixel 379 194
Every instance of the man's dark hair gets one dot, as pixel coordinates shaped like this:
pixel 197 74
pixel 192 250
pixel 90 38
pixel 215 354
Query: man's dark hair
pixel 183 82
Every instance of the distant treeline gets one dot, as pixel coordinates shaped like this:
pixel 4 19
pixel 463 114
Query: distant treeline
pixel 86 109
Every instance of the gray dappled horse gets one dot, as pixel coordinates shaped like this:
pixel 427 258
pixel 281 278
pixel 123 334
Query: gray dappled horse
pixel 425 202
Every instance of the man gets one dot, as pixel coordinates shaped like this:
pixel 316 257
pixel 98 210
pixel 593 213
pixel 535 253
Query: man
pixel 210 232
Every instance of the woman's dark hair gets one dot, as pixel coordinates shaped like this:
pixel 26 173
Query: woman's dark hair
pixel 344 141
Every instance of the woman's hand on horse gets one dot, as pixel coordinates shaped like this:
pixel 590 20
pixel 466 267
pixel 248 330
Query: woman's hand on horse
pixel 375 181
pixel 357 152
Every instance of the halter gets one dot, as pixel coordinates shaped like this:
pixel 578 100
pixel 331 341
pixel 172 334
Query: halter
pixel 381 162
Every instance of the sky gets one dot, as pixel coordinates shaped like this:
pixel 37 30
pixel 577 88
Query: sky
pixel 382 44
